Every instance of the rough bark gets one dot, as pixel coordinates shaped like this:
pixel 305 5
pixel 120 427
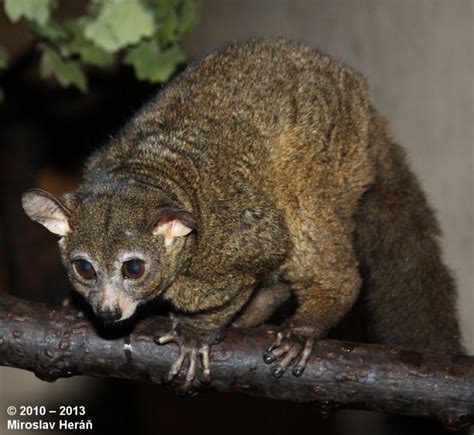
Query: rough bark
pixel 61 342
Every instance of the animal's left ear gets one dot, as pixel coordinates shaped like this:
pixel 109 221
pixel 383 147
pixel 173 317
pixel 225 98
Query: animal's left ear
pixel 173 223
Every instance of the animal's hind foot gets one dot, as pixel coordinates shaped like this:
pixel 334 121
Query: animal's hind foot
pixel 293 345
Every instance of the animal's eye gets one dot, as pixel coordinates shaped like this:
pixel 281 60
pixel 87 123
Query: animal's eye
pixel 133 269
pixel 84 269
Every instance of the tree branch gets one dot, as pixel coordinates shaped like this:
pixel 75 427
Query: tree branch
pixel 60 342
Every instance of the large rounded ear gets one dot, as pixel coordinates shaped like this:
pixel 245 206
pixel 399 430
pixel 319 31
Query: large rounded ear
pixel 172 223
pixel 46 209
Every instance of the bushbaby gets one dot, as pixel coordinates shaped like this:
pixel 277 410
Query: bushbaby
pixel 259 172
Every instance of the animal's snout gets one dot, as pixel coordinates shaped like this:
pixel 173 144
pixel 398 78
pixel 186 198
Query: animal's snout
pixel 109 314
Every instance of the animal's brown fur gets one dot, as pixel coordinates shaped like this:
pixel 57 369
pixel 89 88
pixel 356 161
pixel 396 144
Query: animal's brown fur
pixel 291 177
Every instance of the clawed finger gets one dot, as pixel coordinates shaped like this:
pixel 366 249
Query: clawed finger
pixel 190 352
pixel 290 345
pixel 191 373
pixel 176 366
pixel 300 366
pixel 282 366
pixel 167 338
pixel 274 352
pixel 206 370
pixel 185 388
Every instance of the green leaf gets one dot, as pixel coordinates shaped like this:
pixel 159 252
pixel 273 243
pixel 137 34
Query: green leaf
pixel 67 72
pixel 188 16
pixel 38 11
pixel 153 64
pixel 163 7
pixel 89 53
pixel 87 50
pixel 168 26
pixel 120 23
pixel 3 58
pixel 52 30
pixel 166 12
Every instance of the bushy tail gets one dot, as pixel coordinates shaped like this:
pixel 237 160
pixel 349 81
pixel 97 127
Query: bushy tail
pixel 409 294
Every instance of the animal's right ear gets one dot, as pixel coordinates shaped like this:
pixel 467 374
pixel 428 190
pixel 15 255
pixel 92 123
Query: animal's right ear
pixel 46 209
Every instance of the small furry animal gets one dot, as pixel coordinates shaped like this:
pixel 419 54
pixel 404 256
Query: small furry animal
pixel 260 172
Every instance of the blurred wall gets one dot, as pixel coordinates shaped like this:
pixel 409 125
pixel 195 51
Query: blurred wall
pixel 417 56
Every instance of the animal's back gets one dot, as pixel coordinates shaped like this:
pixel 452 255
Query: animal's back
pixel 241 108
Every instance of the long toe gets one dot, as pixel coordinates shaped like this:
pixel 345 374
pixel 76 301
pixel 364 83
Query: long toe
pixel 300 366
pixel 280 368
pixel 276 352
pixel 205 361
pixel 176 366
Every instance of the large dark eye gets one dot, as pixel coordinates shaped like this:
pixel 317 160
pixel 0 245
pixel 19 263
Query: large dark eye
pixel 133 269
pixel 84 269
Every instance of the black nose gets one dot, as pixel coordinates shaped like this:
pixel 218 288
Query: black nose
pixel 109 314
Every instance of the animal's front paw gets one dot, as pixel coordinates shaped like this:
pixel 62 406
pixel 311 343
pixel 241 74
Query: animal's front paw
pixel 292 344
pixel 190 349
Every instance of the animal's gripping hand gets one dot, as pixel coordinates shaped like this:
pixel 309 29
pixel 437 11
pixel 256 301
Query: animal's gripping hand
pixel 194 350
pixel 292 344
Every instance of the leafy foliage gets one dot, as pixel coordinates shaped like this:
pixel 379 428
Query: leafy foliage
pixel 67 72
pixel 153 63
pixel 145 34
pixel 120 23
pixel 37 11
